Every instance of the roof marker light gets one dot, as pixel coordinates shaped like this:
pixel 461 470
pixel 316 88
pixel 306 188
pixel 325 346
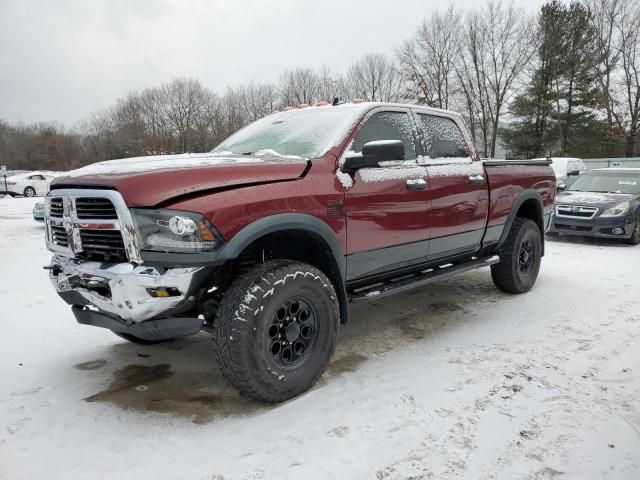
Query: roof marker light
pixel 322 103
pixel 357 100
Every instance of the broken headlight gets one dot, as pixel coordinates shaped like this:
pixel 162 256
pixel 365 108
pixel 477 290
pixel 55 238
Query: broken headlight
pixel 175 231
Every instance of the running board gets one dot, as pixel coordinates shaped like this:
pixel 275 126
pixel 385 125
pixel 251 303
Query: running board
pixel 407 282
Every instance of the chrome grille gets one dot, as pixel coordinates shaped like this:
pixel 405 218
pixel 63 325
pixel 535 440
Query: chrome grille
pixel 59 236
pixel 576 211
pixel 89 224
pixel 56 208
pixel 103 245
pixel 95 208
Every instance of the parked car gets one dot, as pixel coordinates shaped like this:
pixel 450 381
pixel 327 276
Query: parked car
pixel 265 240
pixel 30 184
pixel 567 169
pixel 604 202
pixel 38 212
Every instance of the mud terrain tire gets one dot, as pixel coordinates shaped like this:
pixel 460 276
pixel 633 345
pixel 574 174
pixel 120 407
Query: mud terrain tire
pixel 276 330
pixel 520 258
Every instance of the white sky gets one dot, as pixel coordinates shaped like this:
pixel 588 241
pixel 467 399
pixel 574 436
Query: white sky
pixel 63 60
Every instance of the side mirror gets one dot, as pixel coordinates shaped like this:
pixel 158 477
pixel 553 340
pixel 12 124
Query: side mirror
pixel 562 187
pixel 373 153
pixel 573 173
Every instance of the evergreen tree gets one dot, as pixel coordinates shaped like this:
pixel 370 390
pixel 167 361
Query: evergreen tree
pixel 555 113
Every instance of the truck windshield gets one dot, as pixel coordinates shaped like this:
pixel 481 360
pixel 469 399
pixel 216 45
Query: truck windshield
pixel 306 133
pixel 607 182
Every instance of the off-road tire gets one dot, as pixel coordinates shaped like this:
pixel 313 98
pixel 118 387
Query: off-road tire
pixel 508 275
pixel 29 192
pixel 138 340
pixel 635 236
pixel 245 316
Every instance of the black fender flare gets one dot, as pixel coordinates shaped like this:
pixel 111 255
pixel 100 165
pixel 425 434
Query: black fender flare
pixel 292 221
pixel 524 196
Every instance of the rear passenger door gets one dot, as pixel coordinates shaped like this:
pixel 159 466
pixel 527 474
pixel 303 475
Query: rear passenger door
pixel 387 208
pixel 457 185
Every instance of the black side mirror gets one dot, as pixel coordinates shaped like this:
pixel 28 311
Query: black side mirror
pixel 373 153
pixel 573 173
pixel 562 187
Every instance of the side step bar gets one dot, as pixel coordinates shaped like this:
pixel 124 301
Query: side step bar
pixel 407 282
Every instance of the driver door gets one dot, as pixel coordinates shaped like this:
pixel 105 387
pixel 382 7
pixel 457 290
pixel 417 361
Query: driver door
pixel 388 208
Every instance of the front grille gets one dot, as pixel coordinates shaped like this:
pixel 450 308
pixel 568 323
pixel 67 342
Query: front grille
pixel 59 236
pixel 103 245
pixel 56 208
pixel 89 224
pixel 576 211
pixel 577 228
pixel 95 208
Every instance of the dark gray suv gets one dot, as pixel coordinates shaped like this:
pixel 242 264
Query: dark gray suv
pixel 600 203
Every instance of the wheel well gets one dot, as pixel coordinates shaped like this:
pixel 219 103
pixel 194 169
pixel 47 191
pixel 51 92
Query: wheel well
pixel 300 245
pixel 532 210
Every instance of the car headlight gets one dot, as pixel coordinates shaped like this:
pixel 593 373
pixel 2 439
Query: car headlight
pixel 175 231
pixel 617 210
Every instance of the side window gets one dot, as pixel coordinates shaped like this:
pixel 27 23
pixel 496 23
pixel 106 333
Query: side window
pixel 36 177
pixel 442 137
pixel 387 126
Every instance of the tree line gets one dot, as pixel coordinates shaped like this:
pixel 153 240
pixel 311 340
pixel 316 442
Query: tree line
pixel 564 81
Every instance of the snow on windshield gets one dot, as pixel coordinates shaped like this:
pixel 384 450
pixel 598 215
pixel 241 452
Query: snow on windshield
pixel 606 182
pixel 306 133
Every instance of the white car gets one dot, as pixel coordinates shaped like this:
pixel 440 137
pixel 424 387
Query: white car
pixel 567 169
pixel 30 184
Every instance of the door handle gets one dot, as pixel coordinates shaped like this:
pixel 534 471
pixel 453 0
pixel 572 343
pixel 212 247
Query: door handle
pixel 476 179
pixel 416 184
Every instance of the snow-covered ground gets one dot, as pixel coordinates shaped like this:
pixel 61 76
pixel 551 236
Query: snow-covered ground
pixel 456 380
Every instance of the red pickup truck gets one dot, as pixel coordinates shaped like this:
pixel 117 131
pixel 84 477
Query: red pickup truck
pixel 264 241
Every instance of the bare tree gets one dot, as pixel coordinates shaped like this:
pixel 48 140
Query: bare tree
pixel 301 85
pixel 427 59
pixel 375 78
pixel 496 47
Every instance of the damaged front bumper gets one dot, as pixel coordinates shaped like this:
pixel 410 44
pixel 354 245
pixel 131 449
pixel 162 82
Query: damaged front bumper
pixel 126 291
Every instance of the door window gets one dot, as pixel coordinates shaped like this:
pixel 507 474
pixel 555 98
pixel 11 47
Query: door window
pixel 387 126
pixel 442 138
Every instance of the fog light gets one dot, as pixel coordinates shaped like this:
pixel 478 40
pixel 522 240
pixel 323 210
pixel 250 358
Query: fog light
pixel 162 292
pixel 617 231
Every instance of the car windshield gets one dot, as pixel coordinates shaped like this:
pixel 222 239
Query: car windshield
pixel 305 133
pixel 607 182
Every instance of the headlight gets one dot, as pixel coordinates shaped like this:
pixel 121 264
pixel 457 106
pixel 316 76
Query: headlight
pixel 617 210
pixel 174 231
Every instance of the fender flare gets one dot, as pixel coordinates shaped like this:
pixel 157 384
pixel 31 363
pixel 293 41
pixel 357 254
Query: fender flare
pixel 519 201
pixel 292 221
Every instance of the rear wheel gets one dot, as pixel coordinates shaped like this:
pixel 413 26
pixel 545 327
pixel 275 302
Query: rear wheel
pixel 520 258
pixel 29 192
pixel 276 329
pixel 635 235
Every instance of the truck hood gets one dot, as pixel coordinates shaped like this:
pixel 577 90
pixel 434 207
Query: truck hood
pixel 592 199
pixel 150 181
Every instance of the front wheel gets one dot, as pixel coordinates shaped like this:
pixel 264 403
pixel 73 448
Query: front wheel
pixel 29 192
pixel 635 235
pixel 520 258
pixel 276 329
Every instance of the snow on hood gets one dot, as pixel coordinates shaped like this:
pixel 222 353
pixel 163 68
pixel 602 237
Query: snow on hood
pixel 591 198
pixel 127 166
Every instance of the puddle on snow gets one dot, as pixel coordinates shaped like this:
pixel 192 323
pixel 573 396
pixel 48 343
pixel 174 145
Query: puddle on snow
pixel 194 388
pixel 158 388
